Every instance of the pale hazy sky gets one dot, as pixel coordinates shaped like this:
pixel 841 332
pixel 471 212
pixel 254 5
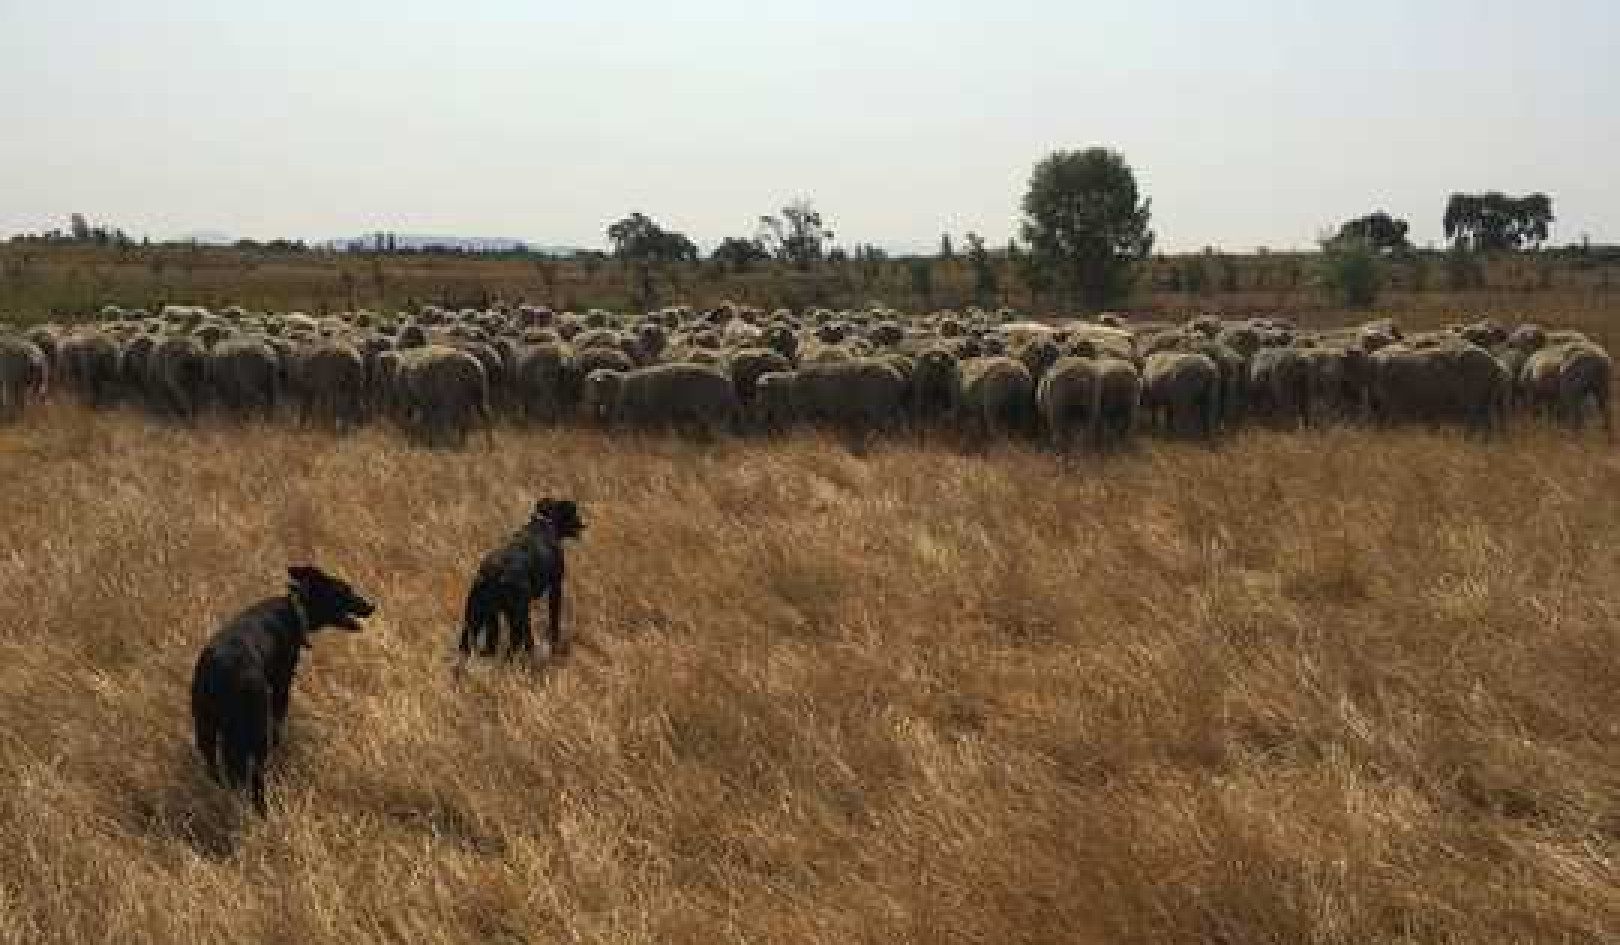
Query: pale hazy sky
pixel 1249 122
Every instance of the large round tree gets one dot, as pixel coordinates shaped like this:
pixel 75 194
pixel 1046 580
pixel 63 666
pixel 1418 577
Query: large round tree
pixel 1086 225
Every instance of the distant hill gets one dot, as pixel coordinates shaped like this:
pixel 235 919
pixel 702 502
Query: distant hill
pixel 465 244
pixel 206 238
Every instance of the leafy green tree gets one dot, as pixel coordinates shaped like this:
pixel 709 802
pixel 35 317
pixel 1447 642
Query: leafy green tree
pixel 739 254
pixel 1495 222
pixel 1352 270
pixel 1384 232
pixel 641 244
pixel 637 238
pixel 1086 224
pixel 986 286
pixel 798 235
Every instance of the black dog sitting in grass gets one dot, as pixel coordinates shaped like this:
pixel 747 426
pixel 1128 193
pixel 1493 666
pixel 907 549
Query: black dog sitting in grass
pixel 243 680
pixel 528 566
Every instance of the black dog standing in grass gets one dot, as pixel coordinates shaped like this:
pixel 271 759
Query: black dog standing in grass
pixel 243 680
pixel 528 566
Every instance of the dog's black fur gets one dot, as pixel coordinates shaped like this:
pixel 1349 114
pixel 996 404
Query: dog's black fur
pixel 243 681
pixel 528 566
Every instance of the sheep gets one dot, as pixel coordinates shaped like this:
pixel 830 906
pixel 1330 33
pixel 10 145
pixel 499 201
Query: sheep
pixel 854 397
pixel 1093 396
pixel 935 385
pixel 1067 399
pixel 690 397
pixel 745 367
pixel 1279 386
pixel 1119 390
pixel 24 373
pixel 1441 380
pixel 541 381
pixel 245 375
pixel 330 380
pixel 89 361
pixel 1560 378
pixel 996 397
pixel 177 373
pixel 1183 389
pixel 441 393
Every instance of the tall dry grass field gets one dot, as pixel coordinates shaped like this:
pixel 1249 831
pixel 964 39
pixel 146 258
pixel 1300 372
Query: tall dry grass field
pixel 1341 687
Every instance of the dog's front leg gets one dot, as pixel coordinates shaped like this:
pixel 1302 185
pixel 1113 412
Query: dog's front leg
pixel 559 646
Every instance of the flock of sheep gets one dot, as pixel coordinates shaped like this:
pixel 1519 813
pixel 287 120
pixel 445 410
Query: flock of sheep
pixel 438 374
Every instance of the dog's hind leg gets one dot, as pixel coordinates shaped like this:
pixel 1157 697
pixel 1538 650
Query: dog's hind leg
pixel 480 625
pixel 489 634
pixel 517 621
pixel 205 722
pixel 246 745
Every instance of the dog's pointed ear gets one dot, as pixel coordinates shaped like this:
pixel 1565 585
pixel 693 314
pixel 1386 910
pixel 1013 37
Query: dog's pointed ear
pixel 542 508
pixel 303 574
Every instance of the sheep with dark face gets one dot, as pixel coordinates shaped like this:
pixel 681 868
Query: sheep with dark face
pixel 1528 338
pixel 1487 333
pixel 1039 354
pixel 746 366
pixel 1241 338
pixel 833 333
pixel 241 687
pixel 886 334
pixel 780 337
pixel 651 341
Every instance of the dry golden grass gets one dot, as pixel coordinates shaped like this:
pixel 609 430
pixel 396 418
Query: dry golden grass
pixel 1339 687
